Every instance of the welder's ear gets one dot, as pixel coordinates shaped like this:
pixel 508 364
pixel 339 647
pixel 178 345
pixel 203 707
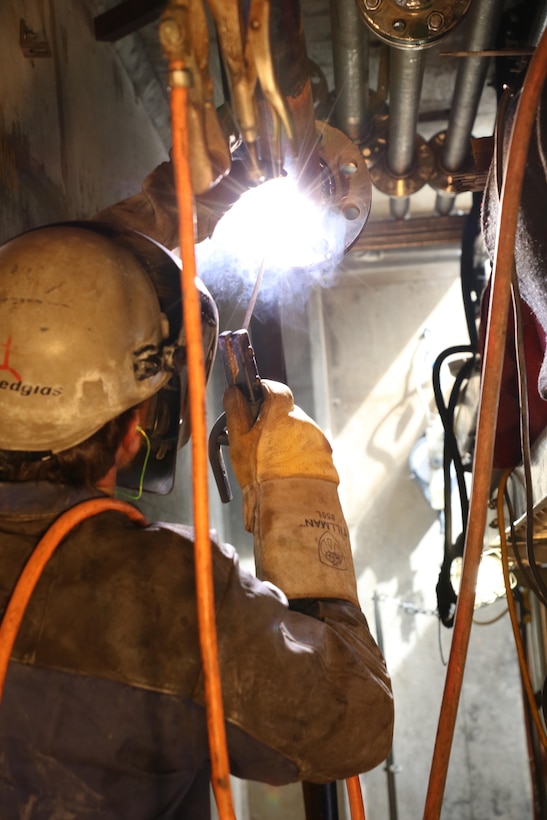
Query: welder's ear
pixel 132 440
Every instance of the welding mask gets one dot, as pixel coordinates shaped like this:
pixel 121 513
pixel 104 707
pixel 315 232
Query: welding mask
pixel 91 325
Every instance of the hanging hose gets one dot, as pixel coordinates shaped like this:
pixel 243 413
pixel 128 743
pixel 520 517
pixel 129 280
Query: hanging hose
pixel 220 770
pixel 37 561
pixel 493 359
pixel 355 797
pixel 174 44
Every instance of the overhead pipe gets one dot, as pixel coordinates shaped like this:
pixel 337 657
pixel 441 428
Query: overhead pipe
pixel 403 160
pixel 406 75
pixel 405 88
pixel 408 27
pixel 452 147
pixel 350 51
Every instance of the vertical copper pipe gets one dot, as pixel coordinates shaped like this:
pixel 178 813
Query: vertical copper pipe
pixel 488 407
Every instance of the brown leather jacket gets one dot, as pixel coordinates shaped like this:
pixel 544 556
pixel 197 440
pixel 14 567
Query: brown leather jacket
pixel 102 714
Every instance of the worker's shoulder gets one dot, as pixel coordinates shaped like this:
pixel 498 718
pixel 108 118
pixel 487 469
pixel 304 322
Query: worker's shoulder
pixel 116 527
pixel 167 532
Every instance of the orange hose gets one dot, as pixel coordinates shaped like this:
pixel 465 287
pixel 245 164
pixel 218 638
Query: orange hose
pixel 43 551
pixel 355 797
pixel 220 770
pixel 491 380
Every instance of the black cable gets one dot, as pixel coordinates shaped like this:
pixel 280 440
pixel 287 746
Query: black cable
pixel 446 415
pixel 446 596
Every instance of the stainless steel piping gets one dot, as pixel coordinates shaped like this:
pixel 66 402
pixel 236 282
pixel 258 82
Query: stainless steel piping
pixel 481 28
pixel 351 69
pixel 405 88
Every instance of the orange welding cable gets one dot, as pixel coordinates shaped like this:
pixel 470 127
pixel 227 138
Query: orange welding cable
pixel 220 770
pixel 355 797
pixel 43 551
pixel 488 405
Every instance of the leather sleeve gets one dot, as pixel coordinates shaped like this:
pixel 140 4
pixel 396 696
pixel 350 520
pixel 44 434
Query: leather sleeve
pixel 314 687
pixel 152 211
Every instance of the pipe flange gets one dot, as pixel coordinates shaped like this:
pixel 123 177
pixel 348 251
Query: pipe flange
pixel 448 182
pixel 403 184
pixel 374 146
pixel 411 23
pixel 347 188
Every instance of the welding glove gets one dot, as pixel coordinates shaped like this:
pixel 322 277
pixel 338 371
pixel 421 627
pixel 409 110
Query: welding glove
pixel 283 463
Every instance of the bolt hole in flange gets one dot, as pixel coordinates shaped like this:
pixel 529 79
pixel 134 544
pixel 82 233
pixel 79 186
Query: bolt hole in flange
pixel 403 185
pixel 351 211
pixel 347 187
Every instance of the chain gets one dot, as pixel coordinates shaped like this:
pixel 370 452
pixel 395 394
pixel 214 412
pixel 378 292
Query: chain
pixel 407 607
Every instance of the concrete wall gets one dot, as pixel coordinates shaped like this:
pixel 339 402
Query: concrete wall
pixel 73 135
pixel 384 328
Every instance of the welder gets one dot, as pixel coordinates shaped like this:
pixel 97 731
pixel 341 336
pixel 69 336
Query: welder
pixel 103 713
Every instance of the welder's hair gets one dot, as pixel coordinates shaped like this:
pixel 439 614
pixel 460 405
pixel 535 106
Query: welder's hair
pixel 80 466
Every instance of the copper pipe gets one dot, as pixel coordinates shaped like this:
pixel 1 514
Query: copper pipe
pixel 488 407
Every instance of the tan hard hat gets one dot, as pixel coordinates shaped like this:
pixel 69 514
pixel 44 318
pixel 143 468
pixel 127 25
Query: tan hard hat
pixel 81 337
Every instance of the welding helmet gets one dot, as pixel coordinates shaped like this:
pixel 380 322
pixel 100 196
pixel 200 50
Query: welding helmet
pixel 91 325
